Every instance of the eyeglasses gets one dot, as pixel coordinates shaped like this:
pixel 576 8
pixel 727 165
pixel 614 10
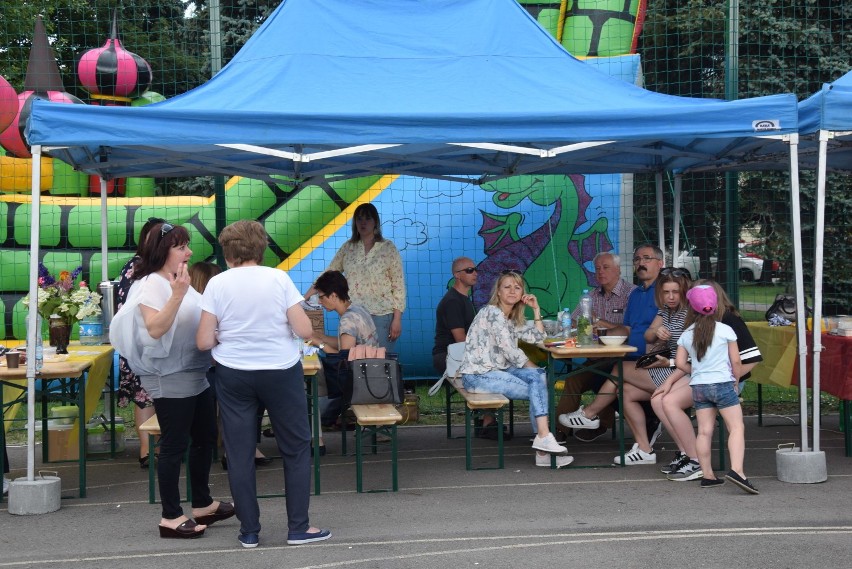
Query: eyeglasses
pixel 468 270
pixel 321 296
pixel 165 229
pixel 646 258
pixel 510 272
pixel 676 273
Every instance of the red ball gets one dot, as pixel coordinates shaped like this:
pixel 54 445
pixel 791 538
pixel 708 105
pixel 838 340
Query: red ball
pixel 8 103
pixel 12 139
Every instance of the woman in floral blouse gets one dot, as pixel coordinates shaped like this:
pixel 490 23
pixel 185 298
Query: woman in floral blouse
pixel 493 362
pixel 373 269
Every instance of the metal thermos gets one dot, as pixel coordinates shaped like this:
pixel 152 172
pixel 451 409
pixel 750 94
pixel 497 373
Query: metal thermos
pixel 107 290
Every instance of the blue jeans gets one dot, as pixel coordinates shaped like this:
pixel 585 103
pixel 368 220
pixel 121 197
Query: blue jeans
pixel 383 323
pixel 718 395
pixel 515 383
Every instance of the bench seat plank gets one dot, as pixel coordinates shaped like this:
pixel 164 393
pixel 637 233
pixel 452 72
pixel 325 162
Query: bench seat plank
pixel 376 414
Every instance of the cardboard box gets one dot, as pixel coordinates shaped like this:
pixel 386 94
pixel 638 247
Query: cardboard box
pixel 317 320
pixel 60 445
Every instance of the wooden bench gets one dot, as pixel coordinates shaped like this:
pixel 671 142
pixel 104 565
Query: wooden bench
pixel 480 402
pixel 152 428
pixel 382 416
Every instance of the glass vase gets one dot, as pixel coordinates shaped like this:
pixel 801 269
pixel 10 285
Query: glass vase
pixel 60 334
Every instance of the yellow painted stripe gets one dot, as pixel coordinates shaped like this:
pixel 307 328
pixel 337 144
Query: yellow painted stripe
pixel 341 219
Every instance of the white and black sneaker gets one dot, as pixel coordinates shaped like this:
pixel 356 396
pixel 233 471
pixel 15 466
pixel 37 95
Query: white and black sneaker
pixel 690 470
pixel 679 459
pixel 636 456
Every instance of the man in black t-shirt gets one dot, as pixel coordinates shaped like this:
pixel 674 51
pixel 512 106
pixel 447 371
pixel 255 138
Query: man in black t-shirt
pixel 454 313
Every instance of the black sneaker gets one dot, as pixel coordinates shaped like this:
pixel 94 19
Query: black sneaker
pixel 589 435
pixel 741 482
pixel 679 460
pixel 711 482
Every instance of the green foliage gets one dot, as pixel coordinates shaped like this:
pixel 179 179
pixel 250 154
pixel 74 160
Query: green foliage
pixel 786 46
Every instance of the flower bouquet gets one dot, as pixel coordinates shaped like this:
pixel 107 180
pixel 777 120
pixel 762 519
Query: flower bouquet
pixel 63 304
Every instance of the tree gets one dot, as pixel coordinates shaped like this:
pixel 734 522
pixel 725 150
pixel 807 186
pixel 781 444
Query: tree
pixel 786 46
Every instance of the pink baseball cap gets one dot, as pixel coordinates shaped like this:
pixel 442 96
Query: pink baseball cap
pixel 702 299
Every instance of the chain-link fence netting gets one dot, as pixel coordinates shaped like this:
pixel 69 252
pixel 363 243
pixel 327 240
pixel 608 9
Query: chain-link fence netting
pixel 735 227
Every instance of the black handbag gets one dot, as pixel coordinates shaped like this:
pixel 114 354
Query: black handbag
pixel 651 357
pixel 785 306
pixel 376 380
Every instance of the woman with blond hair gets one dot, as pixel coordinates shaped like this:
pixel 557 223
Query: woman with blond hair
pixel 493 362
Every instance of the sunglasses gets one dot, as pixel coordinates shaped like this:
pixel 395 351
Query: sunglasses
pixel 510 272
pixel 676 273
pixel 645 258
pixel 165 229
pixel 468 270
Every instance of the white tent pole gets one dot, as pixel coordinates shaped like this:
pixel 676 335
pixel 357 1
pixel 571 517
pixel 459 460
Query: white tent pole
pixel 660 217
pixel 678 189
pixel 819 229
pixel 801 343
pixel 104 236
pixel 33 331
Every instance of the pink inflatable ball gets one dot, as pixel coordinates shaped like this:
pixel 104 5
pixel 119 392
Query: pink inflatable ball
pixel 147 98
pixel 113 73
pixel 12 139
pixel 8 103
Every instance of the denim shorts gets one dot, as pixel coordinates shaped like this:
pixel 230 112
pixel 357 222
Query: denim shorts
pixel 718 395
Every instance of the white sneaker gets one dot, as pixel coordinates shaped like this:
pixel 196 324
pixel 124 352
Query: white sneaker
pixel 549 444
pixel 577 420
pixel 6 483
pixel 636 456
pixel 561 461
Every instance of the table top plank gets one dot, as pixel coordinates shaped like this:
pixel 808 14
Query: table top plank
pixel 599 351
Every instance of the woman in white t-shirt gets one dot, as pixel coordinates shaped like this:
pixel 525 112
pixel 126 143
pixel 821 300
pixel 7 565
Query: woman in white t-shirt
pixel 155 331
pixel 250 315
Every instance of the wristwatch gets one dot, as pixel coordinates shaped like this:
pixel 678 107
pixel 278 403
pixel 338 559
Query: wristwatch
pixel 671 362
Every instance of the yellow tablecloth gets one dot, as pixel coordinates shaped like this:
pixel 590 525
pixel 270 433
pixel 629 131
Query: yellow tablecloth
pixel 778 346
pixel 94 360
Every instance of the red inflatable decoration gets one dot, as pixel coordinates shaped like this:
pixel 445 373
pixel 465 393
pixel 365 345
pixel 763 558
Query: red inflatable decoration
pixel 113 73
pixel 8 103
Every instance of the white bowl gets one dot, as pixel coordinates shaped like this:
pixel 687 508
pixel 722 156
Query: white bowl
pixel 613 340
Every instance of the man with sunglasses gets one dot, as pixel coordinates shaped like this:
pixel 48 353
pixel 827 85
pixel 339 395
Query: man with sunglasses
pixel 454 313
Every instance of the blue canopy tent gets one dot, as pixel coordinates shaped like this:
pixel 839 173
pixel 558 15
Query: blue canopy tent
pixel 430 88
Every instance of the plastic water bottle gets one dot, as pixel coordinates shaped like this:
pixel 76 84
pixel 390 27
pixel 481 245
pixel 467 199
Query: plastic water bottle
pixel 584 324
pixel 565 321
pixel 39 346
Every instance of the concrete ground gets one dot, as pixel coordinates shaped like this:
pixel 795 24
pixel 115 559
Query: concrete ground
pixel 444 516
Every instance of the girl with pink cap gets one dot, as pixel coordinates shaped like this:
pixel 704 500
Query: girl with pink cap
pixel 707 351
